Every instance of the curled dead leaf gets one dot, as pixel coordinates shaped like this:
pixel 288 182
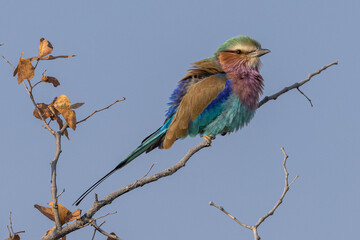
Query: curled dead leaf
pixel 49 79
pixel 24 70
pixel 45 47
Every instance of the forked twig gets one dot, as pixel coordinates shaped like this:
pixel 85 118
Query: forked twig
pixel 254 228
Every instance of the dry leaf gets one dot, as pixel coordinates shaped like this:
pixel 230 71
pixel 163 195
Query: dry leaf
pixel 76 105
pixel 48 79
pixel 45 48
pixel 64 214
pixel 110 238
pixel 44 110
pixel 62 104
pixel 24 69
pixel 48 212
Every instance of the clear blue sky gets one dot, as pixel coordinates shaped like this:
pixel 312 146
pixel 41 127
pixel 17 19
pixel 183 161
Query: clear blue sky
pixel 139 50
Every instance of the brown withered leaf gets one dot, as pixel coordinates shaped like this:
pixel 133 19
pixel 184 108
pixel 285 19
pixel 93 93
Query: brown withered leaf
pixel 45 47
pixel 49 79
pixel 64 214
pixel 110 238
pixel 45 111
pixel 76 105
pixel 62 104
pixel 62 101
pixel 24 69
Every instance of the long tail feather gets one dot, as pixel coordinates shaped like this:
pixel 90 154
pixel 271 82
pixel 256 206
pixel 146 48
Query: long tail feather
pixel 146 144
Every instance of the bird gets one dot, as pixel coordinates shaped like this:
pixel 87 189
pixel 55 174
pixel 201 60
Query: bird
pixel 218 95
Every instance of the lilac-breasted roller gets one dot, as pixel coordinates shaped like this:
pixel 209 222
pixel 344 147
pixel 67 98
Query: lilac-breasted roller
pixel 218 95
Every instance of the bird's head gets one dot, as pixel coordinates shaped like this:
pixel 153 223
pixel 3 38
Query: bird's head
pixel 237 52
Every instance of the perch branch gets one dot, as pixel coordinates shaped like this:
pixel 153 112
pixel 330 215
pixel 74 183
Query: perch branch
pixel 97 205
pixel 254 228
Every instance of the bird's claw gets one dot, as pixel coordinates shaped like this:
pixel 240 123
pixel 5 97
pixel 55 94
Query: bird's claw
pixel 209 138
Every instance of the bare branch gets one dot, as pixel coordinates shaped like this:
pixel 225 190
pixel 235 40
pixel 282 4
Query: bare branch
pixel 53 186
pixel 46 125
pixel 96 111
pixel 286 189
pixel 211 203
pixel 103 232
pixel 254 228
pixel 295 85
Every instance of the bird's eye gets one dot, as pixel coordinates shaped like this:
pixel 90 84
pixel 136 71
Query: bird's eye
pixel 238 51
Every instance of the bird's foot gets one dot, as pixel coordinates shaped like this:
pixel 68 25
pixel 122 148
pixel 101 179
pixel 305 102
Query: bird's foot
pixel 209 138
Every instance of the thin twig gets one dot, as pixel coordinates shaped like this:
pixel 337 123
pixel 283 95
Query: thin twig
pixel 96 230
pixel 12 230
pixel 60 193
pixel 96 111
pixel 12 233
pixel 254 228
pixel 7 61
pixel 38 110
pixel 295 85
pixel 211 203
pixel 108 214
pixel 103 232
pixel 286 189
pixel 145 174
pixel 305 96
pixel 37 83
